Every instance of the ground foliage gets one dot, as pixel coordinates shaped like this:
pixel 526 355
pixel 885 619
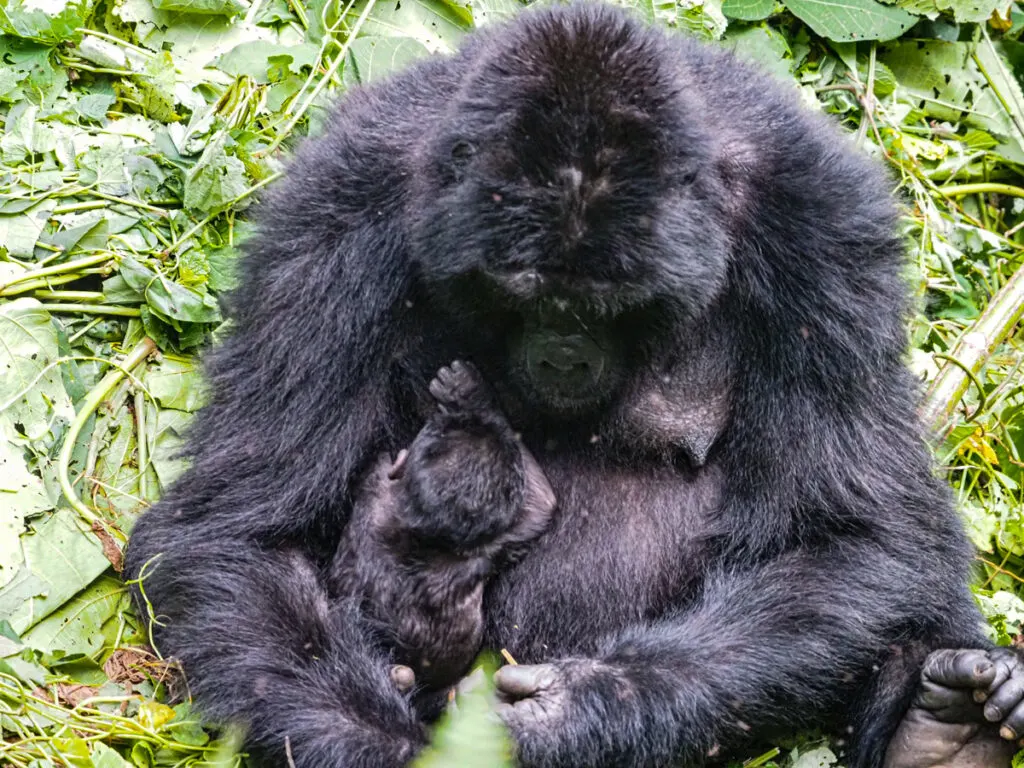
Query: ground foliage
pixel 137 132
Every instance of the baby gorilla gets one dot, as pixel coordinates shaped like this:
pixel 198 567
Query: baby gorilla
pixel 430 529
pixel 962 696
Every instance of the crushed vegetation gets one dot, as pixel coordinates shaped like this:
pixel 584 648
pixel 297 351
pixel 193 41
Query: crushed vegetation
pixel 136 133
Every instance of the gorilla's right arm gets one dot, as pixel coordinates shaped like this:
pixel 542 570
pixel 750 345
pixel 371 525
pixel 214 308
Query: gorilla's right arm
pixel 299 404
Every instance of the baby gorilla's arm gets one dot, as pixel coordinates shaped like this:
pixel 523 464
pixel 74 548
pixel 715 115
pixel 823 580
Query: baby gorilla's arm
pixel 429 530
pixel 968 712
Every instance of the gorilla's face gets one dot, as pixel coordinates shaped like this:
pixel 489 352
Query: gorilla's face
pixel 578 212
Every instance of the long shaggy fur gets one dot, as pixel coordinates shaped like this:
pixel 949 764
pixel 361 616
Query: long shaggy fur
pixel 797 579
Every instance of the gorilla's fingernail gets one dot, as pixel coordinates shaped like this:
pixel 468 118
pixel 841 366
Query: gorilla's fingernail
pixel 992 714
pixel 1007 733
pixel 979 696
pixel 982 667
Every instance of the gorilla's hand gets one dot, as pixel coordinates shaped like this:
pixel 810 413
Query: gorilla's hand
pixel 535 696
pixel 552 708
pixel 952 721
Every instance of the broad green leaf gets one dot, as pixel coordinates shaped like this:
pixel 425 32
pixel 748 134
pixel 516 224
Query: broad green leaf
pixel 166 449
pixel 373 58
pixel 175 383
pixel 202 7
pixel 253 59
pixel 765 47
pixel 105 757
pixel 174 302
pixel 469 736
pixel 436 25
pixel 852 20
pixel 21 495
pixel 61 560
pixel 44 21
pixel 216 180
pixel 748 10
pixel 77 627
pixel 494 11
pixel 20 232
pixel 33 401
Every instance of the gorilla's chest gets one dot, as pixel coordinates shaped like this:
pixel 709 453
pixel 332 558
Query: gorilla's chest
pixel 625 546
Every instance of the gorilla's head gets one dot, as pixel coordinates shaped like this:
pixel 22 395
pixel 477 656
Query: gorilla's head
pixel 571 191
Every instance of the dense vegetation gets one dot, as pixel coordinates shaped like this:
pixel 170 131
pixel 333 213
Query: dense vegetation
pixel 137 132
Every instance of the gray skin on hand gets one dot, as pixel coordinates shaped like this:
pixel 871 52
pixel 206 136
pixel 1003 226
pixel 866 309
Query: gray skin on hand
pixel 968 712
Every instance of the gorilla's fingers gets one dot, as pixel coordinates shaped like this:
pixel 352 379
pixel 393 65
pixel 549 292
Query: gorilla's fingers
pixel 518 682
pixel 967 668
pixel 1007 664
pixel 1005 699
pixel 403 677
pixel 940 698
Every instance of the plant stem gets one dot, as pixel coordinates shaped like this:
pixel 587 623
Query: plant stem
pixel 67 266
pixel 92 400
pixel 971 352
pixel 94 309
pixel 960 190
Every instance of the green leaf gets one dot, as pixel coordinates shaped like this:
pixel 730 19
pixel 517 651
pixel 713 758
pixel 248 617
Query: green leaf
pixel 223 268
pixel 373 58
pixel 20 232
pixel 851 20
pixel 175 383
pixel 32 396
pixel 748 10
pixel 171 300
pixel 60 561
pixel 44 21
pixel 166 451
pixel 436 25
pixel 202 7
pixel 216 180
pixel 765 47
pixel 21 495
pixel 253 59
pixel 77 627
pixel 470 735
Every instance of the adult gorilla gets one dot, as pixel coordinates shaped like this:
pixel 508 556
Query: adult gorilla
pixel 685 292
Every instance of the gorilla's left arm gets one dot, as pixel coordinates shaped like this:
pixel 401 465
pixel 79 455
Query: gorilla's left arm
pixel 784 643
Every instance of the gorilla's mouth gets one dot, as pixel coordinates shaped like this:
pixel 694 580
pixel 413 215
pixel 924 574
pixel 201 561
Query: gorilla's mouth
pixel 567 364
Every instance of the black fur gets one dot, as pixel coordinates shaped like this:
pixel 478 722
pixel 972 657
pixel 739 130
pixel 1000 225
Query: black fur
pixel 428 532
pixel 694 593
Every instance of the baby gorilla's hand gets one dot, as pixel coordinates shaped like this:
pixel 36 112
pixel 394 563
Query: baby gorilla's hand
pixel 968 712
